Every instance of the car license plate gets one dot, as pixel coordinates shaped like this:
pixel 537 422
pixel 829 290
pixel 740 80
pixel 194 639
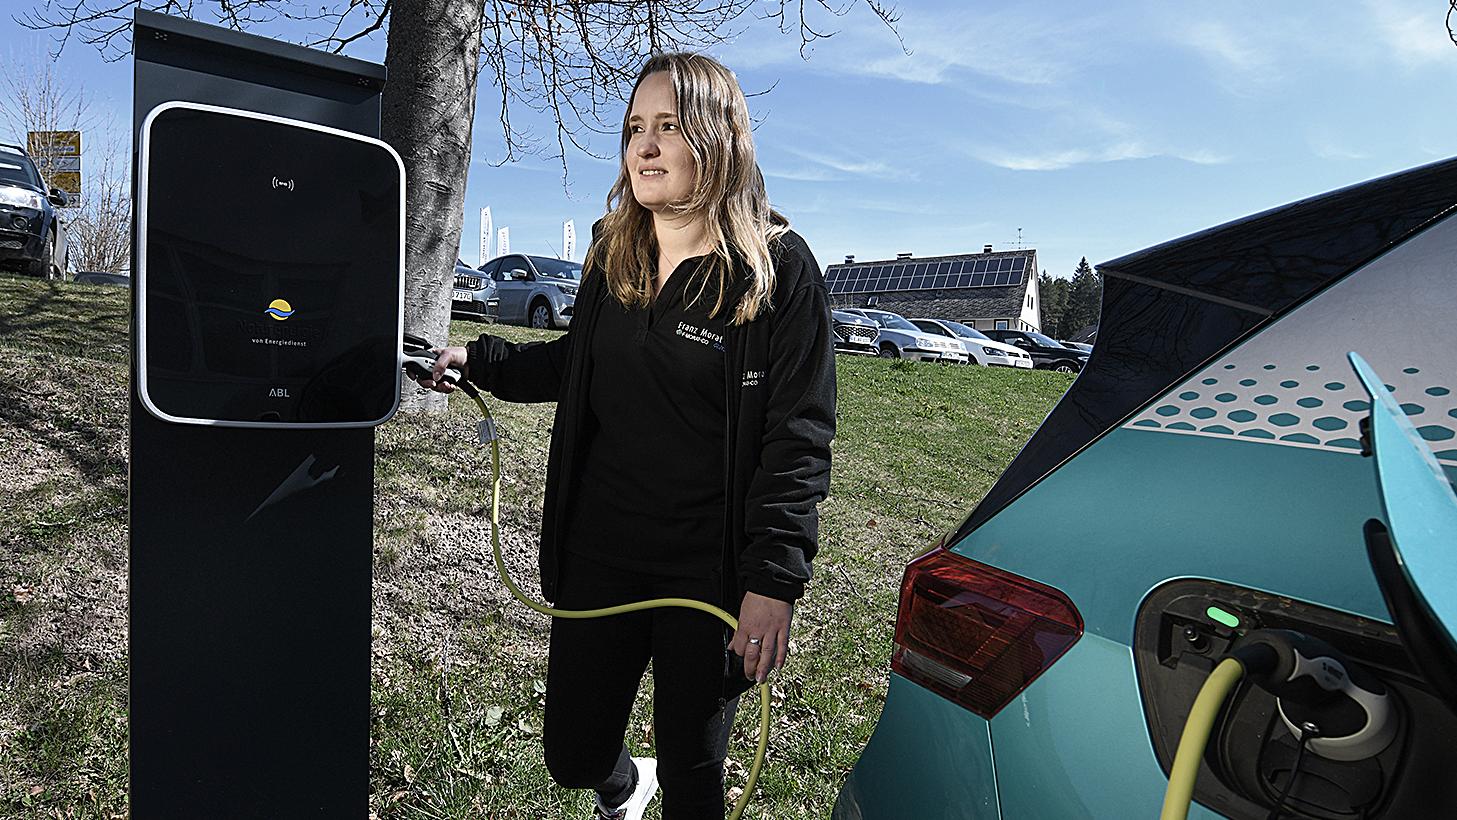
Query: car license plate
pixel 462 296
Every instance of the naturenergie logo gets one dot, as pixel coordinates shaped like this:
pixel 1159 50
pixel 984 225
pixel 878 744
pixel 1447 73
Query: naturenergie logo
pixel 279 309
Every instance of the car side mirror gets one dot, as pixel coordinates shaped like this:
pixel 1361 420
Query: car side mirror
pixel 1020 342
pixel 59 198
pixel 520 275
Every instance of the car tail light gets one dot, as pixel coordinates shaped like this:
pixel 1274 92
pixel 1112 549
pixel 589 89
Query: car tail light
pixel 975 634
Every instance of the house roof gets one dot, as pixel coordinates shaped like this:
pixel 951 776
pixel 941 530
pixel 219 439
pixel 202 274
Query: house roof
pixel 976 285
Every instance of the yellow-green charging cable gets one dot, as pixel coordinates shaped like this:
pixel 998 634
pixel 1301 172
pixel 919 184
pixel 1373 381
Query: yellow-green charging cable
pixel 655 603
pixel 1210 700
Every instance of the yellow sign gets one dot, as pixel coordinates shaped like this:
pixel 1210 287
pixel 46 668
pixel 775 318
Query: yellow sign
pixel 69 181
pixel 54 143
pixel 57 155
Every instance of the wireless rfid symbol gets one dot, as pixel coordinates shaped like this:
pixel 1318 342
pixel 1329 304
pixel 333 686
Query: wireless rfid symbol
pixel 283 183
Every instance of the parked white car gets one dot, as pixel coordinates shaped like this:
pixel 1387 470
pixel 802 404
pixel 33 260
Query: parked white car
pixel 899 339
pixel 979 348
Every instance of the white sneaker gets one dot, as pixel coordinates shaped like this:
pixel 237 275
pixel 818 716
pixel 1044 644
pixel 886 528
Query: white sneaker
pixel 647 788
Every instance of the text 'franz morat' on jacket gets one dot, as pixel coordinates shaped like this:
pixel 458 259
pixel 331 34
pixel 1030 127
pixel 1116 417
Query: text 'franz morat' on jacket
pixel 780 389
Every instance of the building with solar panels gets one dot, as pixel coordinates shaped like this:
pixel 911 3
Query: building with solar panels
pixel 987 290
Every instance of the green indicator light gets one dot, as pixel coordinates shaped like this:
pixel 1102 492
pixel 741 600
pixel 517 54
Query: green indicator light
pixel 1217 614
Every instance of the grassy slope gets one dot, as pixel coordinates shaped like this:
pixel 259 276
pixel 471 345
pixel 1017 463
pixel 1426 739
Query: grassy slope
pixel 459 668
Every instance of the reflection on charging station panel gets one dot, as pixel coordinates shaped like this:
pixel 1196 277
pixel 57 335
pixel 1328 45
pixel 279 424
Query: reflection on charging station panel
pixel 270 271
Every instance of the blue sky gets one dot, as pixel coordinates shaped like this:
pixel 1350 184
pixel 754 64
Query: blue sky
pixel 1097 129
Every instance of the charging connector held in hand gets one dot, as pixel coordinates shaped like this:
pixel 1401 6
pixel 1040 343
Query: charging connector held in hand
pixel 421 365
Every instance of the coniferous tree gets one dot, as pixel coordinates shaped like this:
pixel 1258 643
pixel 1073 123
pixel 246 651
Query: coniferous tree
pixel 1085 298
pixel 1054 292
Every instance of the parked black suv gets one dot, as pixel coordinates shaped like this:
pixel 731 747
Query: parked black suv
pixel 1046 353
pixel 31 237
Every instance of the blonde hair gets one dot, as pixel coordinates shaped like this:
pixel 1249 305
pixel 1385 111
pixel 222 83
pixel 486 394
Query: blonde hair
pixel 728 193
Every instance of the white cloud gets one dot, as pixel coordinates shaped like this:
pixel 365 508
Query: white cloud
pixel 1416 35
pixel 1219 42
pixel 847 206
pixel 1058 159
pixel 1008 45
pixel 1326 148
pixel 801 174
pixel 1244 60
pixel 856 166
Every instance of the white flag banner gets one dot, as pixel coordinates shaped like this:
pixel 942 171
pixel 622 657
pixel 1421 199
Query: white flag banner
pixel 503 241
pixel 485 236
pixel 569 241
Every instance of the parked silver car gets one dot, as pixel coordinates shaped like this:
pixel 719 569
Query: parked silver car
pixel 899 339
pixel 537 291
pixel 981 349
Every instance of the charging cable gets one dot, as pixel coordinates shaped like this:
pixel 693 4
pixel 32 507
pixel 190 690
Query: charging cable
pixel 419 362
pixel 1180 794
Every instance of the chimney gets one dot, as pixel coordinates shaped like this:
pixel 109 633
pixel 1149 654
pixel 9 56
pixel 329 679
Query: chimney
pixel 906 255
pixel 849 258
pixel 986 249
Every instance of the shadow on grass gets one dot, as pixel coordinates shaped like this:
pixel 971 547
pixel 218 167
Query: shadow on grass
pixel 88 445
pixel 62 317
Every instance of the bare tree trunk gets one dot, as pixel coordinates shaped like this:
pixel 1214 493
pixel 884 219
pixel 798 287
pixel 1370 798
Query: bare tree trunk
pixel 429 105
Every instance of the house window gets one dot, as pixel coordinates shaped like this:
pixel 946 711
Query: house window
pixel 1001 324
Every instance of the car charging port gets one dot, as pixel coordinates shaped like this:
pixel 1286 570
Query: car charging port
pixel 1339 685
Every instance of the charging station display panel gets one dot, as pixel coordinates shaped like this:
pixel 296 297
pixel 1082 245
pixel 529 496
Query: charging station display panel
pixel 270 271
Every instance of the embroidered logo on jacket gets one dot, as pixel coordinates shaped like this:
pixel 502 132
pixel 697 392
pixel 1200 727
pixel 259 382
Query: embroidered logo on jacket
pixel 701 335
pixel 752 377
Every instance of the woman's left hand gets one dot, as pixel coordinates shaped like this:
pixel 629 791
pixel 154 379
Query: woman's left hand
pixel 763 634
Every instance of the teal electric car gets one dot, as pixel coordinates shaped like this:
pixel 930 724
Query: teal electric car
pixel 1209 479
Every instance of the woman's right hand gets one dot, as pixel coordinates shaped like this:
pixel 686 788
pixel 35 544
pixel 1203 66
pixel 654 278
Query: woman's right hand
pixel 444 357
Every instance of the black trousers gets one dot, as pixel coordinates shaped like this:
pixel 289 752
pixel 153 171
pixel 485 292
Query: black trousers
pixel 593 672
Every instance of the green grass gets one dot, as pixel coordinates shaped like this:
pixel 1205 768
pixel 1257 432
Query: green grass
pixel 459 667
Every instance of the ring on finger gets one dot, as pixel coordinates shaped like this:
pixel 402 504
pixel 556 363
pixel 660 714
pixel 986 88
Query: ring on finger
pixel 755 641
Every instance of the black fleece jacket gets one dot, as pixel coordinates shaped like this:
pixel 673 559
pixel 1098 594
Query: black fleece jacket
pixel 780 385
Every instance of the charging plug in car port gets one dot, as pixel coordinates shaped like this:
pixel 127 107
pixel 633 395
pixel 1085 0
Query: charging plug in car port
pixel 1182 631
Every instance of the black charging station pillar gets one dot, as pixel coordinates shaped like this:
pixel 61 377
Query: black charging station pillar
pixel 251 549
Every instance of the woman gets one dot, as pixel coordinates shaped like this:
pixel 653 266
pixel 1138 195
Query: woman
pixel 691 445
